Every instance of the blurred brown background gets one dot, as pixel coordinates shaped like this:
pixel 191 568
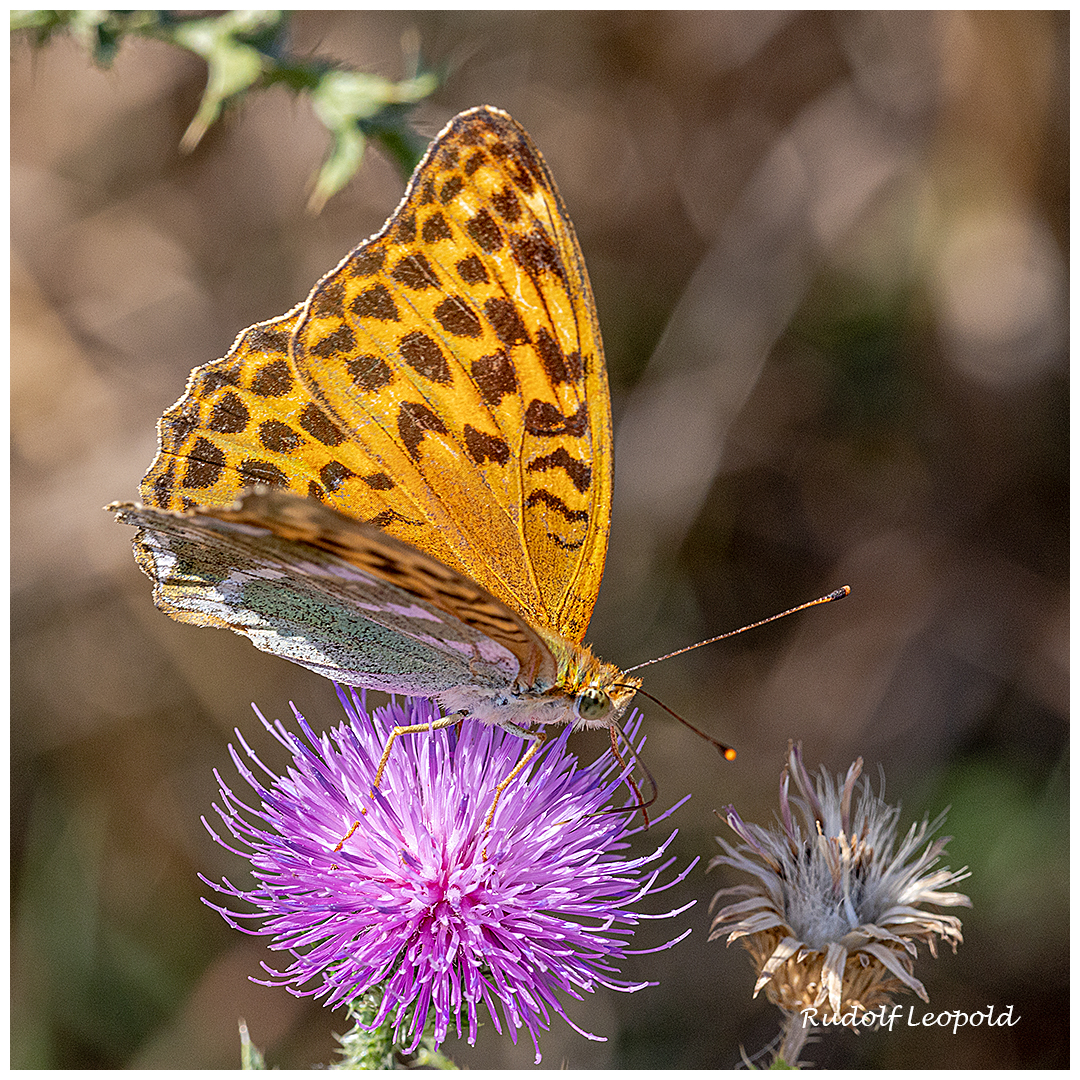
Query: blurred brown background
pixel 830 258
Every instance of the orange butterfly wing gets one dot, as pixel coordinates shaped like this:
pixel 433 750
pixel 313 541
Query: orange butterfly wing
pixel 445 382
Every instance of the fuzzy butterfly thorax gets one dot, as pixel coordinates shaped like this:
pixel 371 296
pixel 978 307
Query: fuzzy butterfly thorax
pixel 404 483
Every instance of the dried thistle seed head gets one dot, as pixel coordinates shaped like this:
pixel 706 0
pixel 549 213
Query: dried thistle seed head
pixel 835 913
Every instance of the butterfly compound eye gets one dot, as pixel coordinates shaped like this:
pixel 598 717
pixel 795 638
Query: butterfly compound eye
pixel 592 704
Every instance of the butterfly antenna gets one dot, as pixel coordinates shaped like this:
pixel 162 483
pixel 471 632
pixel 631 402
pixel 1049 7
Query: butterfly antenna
pixel 836 594
pixel 727 752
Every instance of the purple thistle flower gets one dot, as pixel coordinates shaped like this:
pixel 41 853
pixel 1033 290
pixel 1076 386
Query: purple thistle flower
pixel 409 904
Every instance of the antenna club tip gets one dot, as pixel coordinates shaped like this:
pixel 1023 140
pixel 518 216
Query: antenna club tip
pixel 729 754
pixel 839 594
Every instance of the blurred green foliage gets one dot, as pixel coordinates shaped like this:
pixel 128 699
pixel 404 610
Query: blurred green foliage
pixel 246 51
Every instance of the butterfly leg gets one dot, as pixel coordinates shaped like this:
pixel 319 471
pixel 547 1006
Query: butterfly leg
pixel 402 729
pixel 537 740
pixel 642 805
pixel 409 729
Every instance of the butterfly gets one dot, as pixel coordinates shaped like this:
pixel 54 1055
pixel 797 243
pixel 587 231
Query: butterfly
pixel 404 483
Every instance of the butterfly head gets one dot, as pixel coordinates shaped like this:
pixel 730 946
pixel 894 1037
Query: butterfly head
pixel 588 693
pixel 602 702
